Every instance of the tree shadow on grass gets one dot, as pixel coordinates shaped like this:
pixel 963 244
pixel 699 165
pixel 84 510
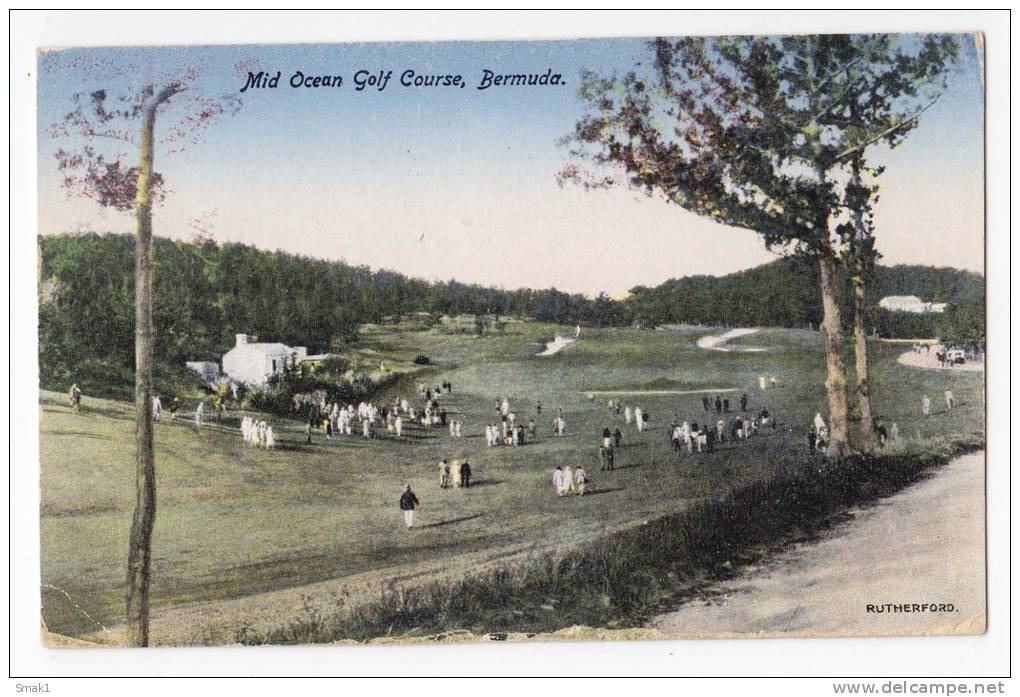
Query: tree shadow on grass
pixel 485 482
pixel 84 434
pixel 606 490
pixel 452 521
pixel 298 447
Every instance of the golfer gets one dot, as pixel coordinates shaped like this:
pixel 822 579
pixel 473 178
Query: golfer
pixel 408 502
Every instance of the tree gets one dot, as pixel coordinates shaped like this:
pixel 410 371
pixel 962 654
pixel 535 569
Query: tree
pixel 862 257
pixel 890 84
pixel 107 179
pixel 753 132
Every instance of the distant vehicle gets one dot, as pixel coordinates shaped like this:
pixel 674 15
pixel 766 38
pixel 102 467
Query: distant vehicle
pixel 956 357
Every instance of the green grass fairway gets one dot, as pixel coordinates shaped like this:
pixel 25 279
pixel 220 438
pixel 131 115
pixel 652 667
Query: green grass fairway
pixel 233 522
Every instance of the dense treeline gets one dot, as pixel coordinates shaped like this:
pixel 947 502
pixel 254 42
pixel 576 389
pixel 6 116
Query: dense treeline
pixel 784 293
pixel 204 294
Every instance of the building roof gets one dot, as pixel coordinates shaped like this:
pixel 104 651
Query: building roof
pixel 910 303
pixel 264 348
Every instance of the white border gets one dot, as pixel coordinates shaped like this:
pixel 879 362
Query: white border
pixel 985 655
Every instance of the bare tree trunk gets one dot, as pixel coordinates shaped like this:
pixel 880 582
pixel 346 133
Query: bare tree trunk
pixel 835 370
pixel 868 439
pixel 140 543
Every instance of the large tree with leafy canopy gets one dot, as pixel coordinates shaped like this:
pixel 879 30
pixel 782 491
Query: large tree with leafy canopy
pixel 103 123
pixel 894 82
pixel 758 133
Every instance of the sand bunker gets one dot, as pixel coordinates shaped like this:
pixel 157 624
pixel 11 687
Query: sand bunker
pixel 556 345
pixel 717 342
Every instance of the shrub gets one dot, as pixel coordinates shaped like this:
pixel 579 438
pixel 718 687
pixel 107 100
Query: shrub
pixel 422 359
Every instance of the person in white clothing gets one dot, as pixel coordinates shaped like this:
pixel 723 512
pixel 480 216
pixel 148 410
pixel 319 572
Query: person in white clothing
pixel 626 414
pixel 580 480
pixel 557 480
pixel 157 408
pixel 567 481
pixel 270 438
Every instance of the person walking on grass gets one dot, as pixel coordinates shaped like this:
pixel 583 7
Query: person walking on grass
pixel 75 395
pixel 705 403
pixel 568 481
pixel 559 426
pixel 408 502
pixel 950 401
pixel 157 408
pixel 465 475
pixel 607 437
pixel 743 402
pixel 580 480
pixel 444 473
pixel 557 480
pixel 199 410
pixel 925 405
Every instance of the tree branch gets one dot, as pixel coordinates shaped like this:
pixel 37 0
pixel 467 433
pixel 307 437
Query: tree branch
pixel 841 157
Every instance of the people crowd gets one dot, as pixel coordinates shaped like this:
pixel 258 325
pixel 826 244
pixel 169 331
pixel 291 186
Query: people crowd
pixel 432 413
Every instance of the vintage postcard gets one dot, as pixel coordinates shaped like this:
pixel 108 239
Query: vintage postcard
pixel 629 338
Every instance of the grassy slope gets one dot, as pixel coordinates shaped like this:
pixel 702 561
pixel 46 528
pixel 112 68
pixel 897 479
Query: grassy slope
pixel 233 522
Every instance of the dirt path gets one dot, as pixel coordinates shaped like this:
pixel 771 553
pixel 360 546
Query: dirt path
pixel 925 544
pixel 927 359
pixel 717 342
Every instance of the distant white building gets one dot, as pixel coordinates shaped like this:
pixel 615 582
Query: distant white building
pixel 254 363
pixel 910 303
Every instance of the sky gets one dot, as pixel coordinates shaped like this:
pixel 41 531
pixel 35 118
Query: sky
pixel 459 183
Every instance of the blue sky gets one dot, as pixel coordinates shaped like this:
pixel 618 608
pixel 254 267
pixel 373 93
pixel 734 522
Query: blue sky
pixel 459 183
